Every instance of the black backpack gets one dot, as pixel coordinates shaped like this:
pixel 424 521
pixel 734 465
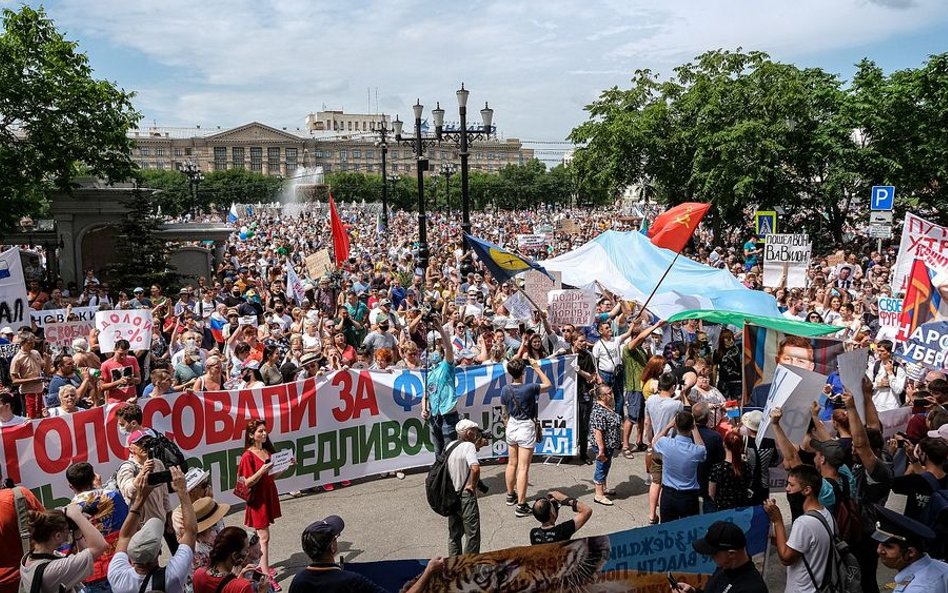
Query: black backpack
pixel 164 450
pixel 843 574
pixel 443 498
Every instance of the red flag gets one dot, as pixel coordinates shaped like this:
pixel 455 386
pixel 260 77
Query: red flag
pixel 340 239
pixel 921 300
pixel 673 228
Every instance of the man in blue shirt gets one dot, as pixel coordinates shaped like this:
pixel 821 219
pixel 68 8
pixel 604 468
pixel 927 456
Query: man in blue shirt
pixel 902 542
pixel 439 403
pixel 680 458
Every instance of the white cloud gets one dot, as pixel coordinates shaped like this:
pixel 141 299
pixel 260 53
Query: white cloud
pixel 277 60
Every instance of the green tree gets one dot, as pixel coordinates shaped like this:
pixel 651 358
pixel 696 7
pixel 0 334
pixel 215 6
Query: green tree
pixel 143 256
pixel 174 195
pixel 55 118
pixel 220 188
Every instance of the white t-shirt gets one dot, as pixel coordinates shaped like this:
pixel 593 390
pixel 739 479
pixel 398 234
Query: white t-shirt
pixel 460 462
pixel 15 421
pixel 124 579
pixel 607 355
pixel 809 537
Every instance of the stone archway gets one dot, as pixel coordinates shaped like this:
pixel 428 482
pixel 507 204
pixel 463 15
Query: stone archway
pixel 97 248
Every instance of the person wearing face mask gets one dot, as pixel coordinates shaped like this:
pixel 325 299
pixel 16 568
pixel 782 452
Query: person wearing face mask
pixel 50 530
pixel 925 471
pixel 807 549
pixel 901 544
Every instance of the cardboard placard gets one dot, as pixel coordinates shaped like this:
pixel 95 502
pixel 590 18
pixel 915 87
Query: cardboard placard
pixel 538 285
pixel 62 334
pixel 318 264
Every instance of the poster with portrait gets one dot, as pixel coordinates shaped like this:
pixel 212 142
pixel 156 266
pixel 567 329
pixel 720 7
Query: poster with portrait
pixel 764 348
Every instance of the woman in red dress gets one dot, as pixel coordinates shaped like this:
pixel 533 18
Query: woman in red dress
pixel 263 506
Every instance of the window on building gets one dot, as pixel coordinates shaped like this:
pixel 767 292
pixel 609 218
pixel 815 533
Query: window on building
pixel 144 151
pixel 371 168
pixel 273 160
pixel 343 155
pixel 344 166
pixel 350 126
pixel 145 164
pixel 187 152
pixel 256 159
pixel 159 151
pixel 394 154
pixel 291 156
pixel 327 168
pixel 160 165
pixel 370 154
pixel 178 152
pixel 356 153
pixel 237 153
pixel 220 158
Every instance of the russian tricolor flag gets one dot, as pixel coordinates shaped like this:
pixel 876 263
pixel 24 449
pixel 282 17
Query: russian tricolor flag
pixel 232 215
pixel 217 324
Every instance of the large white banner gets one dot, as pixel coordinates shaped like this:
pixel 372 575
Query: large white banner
pixel 786 257
pixel 14 305
pixel 343 426
pixel 132 325
pixel 916 233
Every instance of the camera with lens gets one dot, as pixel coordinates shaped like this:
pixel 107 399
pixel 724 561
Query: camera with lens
pixel 427 313
pixel 553 502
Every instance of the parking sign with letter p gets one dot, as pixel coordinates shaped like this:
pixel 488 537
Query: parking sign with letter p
pixel 882 197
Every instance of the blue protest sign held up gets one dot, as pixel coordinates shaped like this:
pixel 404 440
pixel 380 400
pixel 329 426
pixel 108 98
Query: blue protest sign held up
pixel 883 197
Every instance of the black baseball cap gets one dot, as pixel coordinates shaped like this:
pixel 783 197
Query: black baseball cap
pixel 721 536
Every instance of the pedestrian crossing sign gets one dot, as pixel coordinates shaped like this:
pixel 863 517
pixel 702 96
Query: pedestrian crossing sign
pixel 765 222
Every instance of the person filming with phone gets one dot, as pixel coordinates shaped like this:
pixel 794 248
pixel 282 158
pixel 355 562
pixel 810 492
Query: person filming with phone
pixel 156 505
pixel 726 544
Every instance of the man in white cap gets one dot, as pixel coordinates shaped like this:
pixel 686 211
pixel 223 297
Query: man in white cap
pixel 465 471
pixel 134 566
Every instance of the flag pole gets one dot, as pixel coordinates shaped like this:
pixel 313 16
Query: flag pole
pixel 662 279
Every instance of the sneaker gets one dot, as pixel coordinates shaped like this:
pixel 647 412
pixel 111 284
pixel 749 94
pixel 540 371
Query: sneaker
pixel 523 510
pixel 511 499
pixel 400 475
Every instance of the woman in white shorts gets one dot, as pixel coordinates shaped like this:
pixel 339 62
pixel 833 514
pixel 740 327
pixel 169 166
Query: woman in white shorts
pixel 520 402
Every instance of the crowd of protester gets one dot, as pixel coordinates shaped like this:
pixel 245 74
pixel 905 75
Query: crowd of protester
pixel 643 386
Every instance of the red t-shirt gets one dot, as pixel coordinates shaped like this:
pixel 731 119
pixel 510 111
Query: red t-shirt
pixel 112 371
pixel 205 583
pixel 12 551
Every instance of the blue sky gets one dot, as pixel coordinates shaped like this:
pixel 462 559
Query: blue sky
pixel 225 63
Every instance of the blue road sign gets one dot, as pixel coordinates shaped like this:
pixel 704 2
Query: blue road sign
pixel 883 197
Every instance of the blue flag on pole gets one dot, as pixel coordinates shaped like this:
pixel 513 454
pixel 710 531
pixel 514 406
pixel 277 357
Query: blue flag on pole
pixel 503 264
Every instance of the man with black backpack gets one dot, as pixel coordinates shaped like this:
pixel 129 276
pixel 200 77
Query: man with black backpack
pixel 465 472
pixel 811 552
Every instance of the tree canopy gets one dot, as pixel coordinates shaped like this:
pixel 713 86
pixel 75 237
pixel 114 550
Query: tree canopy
pixel 56 120
pixel 742 131
pixel 215 192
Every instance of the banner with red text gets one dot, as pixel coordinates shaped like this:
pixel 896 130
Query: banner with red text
pixel 342 426
pixel 917 233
